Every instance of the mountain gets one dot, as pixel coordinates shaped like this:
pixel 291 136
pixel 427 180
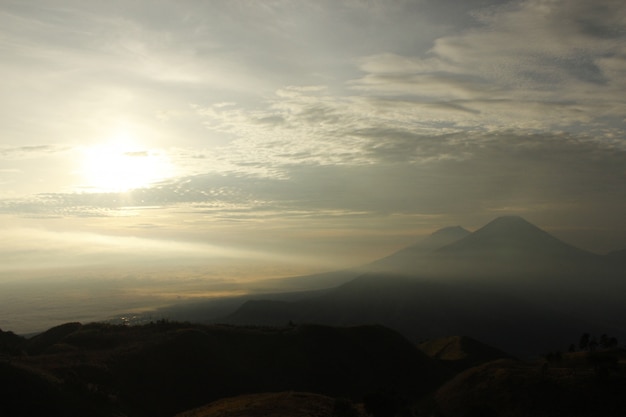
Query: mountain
pixel 511 255
pixel 512 236
pixel 511 246
pixel 424 309
pixel 307 286
pixel 406 260
pixel 509 284
pixel 401 262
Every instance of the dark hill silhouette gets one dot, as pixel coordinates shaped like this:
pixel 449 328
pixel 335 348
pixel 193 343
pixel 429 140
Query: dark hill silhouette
pixel 277 404
pixel 165 368
pixel 28 392
pixel 51 337
pixel 515 388
pixel 10 343
pixel 461 352
pixel 191 367
pixel 423 309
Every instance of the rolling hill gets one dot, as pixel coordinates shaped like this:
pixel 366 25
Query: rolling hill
pixel 165 368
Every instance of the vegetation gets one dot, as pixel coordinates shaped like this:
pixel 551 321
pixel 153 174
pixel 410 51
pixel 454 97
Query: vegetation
pixel 168 368
pixel 164 368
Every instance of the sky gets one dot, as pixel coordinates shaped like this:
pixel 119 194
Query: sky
pixel 180 148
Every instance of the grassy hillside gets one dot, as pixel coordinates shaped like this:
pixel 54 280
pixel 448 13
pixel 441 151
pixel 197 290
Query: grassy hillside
pixel 163 369
pixel 577 385
pixel 461 352
pixel 292 404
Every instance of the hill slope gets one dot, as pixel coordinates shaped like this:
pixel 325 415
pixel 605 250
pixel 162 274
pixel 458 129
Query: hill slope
pixel 461 352
pixel 277 404
pixel 165 368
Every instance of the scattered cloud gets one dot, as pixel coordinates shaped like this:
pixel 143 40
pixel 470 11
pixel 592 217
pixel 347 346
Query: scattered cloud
pixel 20 152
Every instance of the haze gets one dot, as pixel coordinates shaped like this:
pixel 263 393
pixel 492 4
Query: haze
pixel 155 151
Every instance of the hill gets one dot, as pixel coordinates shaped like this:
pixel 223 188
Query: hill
pixel 166 368
pixel 191 370
pixel 424 309
pixel 293 404
pixel 461 352
pixel 577 385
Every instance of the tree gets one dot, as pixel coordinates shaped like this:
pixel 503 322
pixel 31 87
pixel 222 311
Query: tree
pixel 593 344
pixel 604 341
pixel 583 343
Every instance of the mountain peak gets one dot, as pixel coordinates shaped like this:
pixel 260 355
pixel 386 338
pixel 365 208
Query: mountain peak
pixel 406 258
pixel 513 227
pixel 512 236
pixel 451 231
pixel 510 221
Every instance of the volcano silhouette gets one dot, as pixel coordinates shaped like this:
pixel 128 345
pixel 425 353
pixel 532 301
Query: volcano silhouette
pixel 512 237
pixel 511 247
pixel 509 283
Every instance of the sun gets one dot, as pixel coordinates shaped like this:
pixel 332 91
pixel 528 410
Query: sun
pixel 121 164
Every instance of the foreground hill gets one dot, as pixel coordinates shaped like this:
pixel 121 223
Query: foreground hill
pixel 576 385
pixel 165 368
pixel 461 352
pixel 281 404
pixel 189 370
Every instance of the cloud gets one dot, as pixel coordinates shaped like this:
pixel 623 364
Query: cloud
pixel 325 110
pixel 460 174
pixel 21 152
pixel 558 63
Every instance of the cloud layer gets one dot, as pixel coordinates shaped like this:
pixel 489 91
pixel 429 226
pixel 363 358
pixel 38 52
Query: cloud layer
pixel 406 115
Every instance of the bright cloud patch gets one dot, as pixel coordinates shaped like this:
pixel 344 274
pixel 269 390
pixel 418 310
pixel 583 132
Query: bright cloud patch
pixel 119 165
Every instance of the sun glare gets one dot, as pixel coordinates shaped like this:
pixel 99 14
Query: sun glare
pixel 121 164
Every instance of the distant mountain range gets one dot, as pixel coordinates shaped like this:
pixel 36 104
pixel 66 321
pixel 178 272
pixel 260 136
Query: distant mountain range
pixel 509 284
